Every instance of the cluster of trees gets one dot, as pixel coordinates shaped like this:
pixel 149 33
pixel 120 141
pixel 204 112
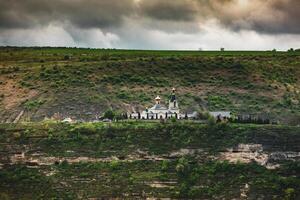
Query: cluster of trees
pixel 114 115
pixel 251 120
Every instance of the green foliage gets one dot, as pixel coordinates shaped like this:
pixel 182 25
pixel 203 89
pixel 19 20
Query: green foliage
pixel 67 57
pixel 290 194
pixel 109 114
pixel 84 129
pixel 114 164
pixel 124 95
pixel 183 167
pixel 33 105
pixel 105 56
pixel 173 177
pixel 218 102
pixel 219 177
pixel 204 116
pixel 165 165
pixel 211 121
pixel 250 82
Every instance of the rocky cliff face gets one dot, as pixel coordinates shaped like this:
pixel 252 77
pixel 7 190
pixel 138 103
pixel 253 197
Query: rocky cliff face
pixel 149 161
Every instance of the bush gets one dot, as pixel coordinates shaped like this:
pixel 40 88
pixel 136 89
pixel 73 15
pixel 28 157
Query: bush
pixel 289 194
pixel 109 114
pixel 85 129
pixel 164 165
pixel 211 121
pixel 105 56
pixel 204 115
pixel 114 164
pixel 32 105
pixel 182 167
pixel 4 196
pixel 173 120
pixel 66 57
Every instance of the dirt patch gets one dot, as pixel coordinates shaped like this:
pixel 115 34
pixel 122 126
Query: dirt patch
pixel 159 184
pixel 15 95
pixel 245 157
pixel 50 160
pixel 185 152
pixel 246 153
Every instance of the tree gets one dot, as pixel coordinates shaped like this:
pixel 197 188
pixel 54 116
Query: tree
pixel 222 49
pixel 119 116
pixel 109 114
pixel 66 57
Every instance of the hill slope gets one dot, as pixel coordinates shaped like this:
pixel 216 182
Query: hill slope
pixel 44 82
pixel 149 160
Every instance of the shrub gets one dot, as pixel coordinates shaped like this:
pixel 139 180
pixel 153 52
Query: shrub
pixel 164 165
pixel 32 105
pixel 211 121
pixel 4 196
pixel 109 114
pixel 16 69
pixel 105 56
pixel 218 102
pixel 124 95
pixel 85 129
pixel 182 167
pixel 289 194
pixel 114 164
pixel 204 115
pixel 64 164
pixel 173 120
pixel 66 57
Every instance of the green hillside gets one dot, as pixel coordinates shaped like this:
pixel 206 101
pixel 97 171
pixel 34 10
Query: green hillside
pixel 148 160
pixel 36 83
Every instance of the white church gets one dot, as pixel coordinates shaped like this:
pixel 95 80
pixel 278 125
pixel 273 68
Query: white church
pixel 159 111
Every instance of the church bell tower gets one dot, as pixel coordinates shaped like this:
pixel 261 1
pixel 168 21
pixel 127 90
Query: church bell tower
pixel 173 104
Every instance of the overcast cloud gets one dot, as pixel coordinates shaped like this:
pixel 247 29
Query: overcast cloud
pixel 151 24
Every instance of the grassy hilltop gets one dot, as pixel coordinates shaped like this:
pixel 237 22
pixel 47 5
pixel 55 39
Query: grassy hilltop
pixel 41 82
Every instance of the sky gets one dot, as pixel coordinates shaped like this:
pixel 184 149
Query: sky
pixel 152 24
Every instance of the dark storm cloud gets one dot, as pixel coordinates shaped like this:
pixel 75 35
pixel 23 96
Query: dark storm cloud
pixel 267 16
pixel 81 13
pixel 172 10
pixel 285 17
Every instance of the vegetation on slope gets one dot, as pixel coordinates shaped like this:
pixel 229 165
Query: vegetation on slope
pixel 125 138
pixel 212 180
pixel 195 176
pixel 83 83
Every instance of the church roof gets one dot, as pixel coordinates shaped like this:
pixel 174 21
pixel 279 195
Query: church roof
pixel 158 107
pixel 221 113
